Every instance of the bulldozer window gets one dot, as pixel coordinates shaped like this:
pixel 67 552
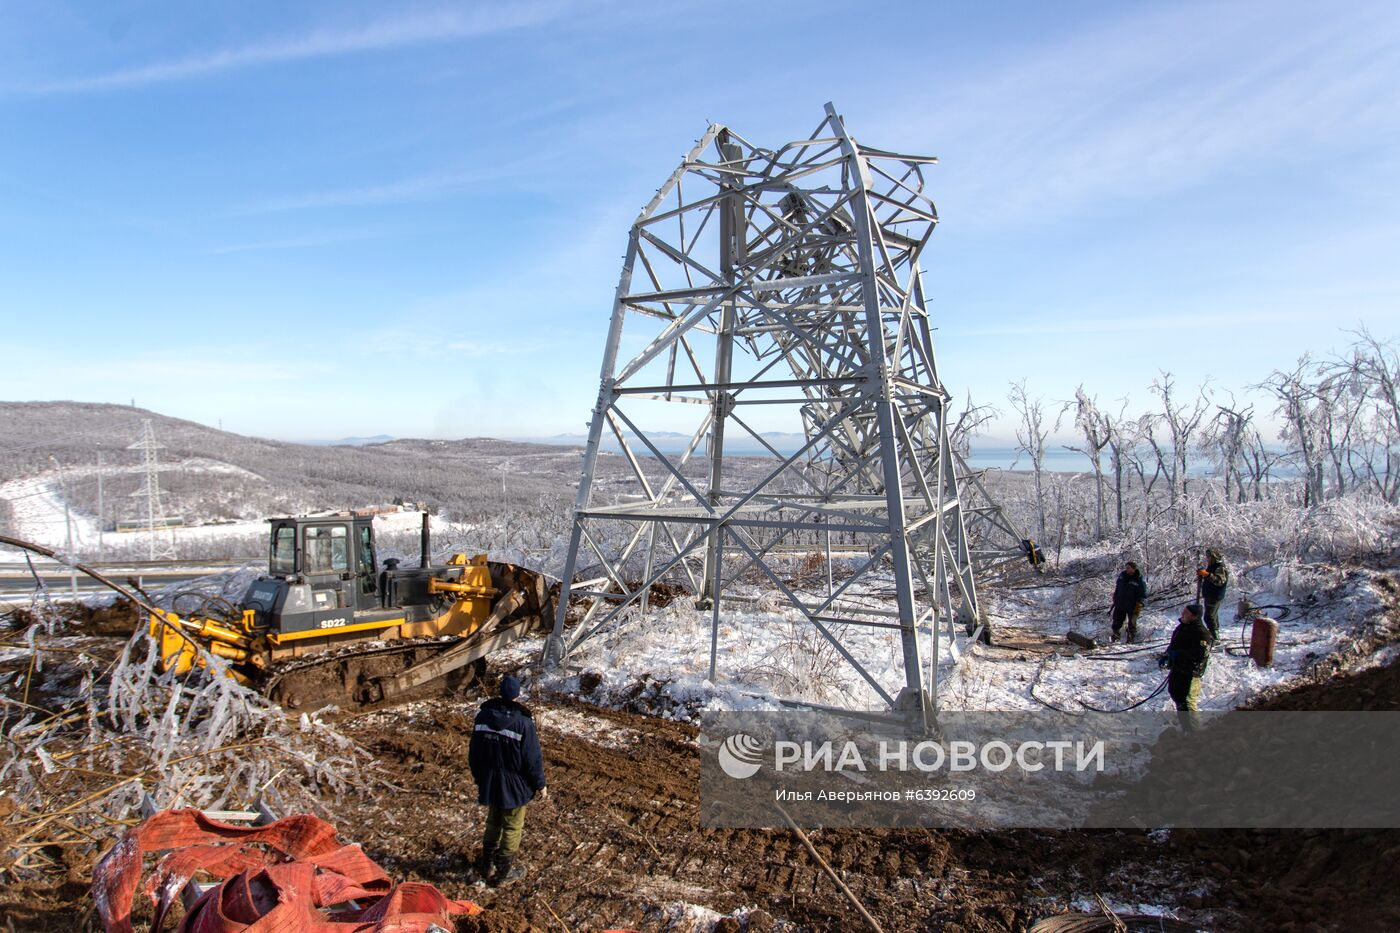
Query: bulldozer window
pixel 283 550
pixel 366 560
pixel 326 549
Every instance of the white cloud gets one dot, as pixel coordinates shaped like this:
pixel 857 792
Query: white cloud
pixel 303 242
pixel 418 188
pixel 1152 103
pixel 1174 322
pixel 417 29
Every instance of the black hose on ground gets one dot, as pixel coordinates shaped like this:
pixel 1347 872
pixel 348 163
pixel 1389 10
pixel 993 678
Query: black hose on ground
pixel 1155 693
pixel 1040 672
pixel 1039 699
pixel 1126 652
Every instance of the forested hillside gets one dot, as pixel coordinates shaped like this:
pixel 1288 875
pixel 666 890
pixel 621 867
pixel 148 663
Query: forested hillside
pixel 208 474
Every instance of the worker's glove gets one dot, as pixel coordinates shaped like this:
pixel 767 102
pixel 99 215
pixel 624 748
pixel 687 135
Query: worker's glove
pixel 542 793
pixel 1163 661
pixel 1202 573
pixel 1137 608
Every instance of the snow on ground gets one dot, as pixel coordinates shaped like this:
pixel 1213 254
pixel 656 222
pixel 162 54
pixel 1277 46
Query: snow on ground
pixel 661 661
pixel 682 917
pixel 1092 908
pixel 36 504
pixel 37 508
pixel 767 652
pixel 598 731
pixel 1324 617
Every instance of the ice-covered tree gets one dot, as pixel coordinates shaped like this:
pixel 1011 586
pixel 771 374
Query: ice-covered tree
pixel 1097 430
pixel 1181 418
pixel 1031 434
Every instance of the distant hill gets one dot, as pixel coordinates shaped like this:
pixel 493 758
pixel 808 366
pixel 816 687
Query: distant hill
pixel 208 474
pixel 352 441
pixel 737 443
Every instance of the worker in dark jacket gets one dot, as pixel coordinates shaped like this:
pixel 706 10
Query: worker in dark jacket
pixel 1214 577
pixel 508 767
pixel 1129 593
pixel 1188 655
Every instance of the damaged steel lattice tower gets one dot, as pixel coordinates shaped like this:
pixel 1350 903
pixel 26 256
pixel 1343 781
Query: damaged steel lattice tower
pixel 783 281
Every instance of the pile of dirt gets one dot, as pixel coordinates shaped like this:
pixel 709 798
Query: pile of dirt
pixel 48 682
pixel 119 617
pixel 1375 689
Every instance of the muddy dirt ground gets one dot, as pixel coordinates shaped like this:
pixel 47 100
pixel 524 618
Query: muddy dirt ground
pixel 618 844
pixel 618 841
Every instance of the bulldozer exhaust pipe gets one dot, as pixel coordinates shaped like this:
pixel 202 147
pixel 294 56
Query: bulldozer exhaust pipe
pixel 425 542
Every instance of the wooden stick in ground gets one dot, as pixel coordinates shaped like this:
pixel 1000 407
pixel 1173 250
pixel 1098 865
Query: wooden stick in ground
pixel 812 850
pixel 1118 925
pixel 29 677
pixel 553 914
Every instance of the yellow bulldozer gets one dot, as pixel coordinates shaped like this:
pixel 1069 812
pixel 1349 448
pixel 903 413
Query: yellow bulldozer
pixel 328 623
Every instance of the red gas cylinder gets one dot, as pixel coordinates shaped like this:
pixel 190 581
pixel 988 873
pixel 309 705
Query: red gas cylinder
pixel 1263 636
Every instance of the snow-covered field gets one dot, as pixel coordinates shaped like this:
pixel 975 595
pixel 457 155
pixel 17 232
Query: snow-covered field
pixel 661 661
pixel 1327 612
pixel 37 513
pixel 37 504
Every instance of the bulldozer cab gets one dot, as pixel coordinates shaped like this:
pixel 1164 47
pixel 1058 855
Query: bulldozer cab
pixel 334 554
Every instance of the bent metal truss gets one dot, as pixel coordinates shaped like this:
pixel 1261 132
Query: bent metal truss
pixel 760 284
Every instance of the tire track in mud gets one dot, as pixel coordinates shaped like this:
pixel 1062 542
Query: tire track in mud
pixel 619 836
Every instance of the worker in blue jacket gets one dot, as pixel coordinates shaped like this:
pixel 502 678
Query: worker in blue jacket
pixel 508 767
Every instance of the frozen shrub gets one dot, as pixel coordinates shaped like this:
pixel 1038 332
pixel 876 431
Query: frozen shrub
pixel 200 739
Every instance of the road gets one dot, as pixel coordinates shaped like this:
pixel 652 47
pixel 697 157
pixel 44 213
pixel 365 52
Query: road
pixel 17 582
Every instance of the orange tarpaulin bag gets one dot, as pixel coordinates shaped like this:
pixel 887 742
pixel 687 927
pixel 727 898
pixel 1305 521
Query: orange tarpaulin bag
pixel 290 876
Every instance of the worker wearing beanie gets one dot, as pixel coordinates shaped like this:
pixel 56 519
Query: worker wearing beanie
pixel 1214 577
pixel 1186 660
pixel 1129 594
pixel 508 767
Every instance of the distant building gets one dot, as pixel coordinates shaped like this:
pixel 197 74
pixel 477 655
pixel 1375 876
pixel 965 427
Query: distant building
pixel 140 524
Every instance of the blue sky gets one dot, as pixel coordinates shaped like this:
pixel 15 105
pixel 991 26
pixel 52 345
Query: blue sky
pixel 320 220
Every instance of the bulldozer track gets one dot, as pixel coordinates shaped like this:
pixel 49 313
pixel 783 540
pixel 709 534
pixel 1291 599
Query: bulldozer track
pixel 354 669
pixel 287 668
pixel 312 682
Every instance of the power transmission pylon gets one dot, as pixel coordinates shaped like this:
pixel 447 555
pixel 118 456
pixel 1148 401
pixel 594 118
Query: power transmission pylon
pixel 785 282
pixel 160 538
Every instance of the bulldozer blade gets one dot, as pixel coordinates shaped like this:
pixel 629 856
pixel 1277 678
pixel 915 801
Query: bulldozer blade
pixel 486 639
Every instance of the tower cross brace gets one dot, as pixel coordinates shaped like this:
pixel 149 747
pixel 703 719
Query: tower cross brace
pixel 768 288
